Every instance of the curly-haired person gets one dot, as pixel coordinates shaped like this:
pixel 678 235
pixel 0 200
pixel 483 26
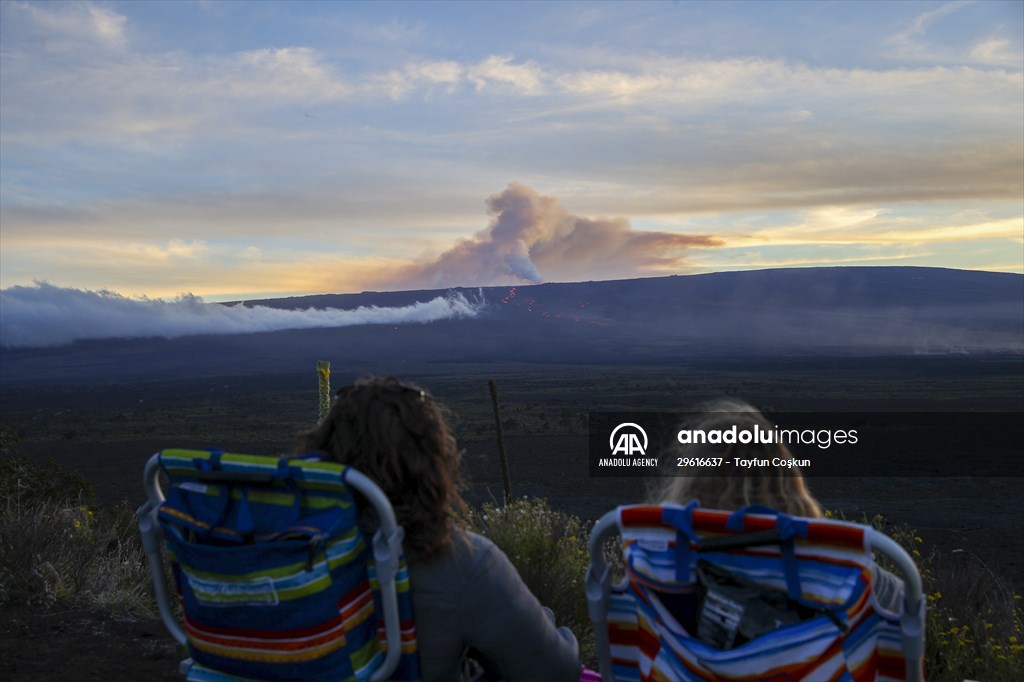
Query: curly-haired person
pixel 466 594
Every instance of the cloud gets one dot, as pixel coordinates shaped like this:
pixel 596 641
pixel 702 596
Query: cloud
pixel 399 83
pixel 292 73
pixel 613 83
pixel 747 260
pixel 836 235
pixel 47 315
pixel 531 237
pixel 141 92
pixel 996 52
pixel 501 70
pixel 840 225
pixel 174 251
pixel 801 176
pixel 912 42
pixel 920 23
pixel 120 134
pixel 76 25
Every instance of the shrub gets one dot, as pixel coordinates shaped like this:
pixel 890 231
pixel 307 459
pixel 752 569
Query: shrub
pixel 23 482
pixel 9 440
pixel 974 627
pixel 549 550
pixel 56 547
pixel 974 621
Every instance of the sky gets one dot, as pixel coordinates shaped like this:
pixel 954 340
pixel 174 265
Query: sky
pixel 234 150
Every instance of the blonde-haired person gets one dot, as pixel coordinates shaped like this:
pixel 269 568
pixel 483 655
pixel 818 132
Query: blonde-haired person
pixel 465 592
pixel 779 487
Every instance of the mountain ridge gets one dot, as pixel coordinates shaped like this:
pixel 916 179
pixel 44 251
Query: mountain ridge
pixel 807 312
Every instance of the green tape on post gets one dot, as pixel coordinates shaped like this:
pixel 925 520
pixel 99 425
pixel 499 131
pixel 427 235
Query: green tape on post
pixel 323 370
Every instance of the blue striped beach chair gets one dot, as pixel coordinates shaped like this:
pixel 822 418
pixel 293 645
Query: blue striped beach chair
pixel 646 627
pixel 275 578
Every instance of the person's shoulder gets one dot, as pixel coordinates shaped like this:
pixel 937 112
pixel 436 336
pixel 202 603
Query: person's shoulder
pixel 468 563
pixel 464 557
pixel 464 547
pixel 479 542
pixel 475 548
pixel 476 555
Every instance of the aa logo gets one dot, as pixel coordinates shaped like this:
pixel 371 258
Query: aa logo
pixel 628 439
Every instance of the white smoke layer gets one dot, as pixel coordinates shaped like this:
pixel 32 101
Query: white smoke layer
pixel 47 315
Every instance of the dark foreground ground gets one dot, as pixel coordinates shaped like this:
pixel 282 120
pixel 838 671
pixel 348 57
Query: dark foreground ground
pixel 107 431
pixel 84 645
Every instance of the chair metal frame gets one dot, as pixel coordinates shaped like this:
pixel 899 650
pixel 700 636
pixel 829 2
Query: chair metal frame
pixel 599 586
pixel 386 543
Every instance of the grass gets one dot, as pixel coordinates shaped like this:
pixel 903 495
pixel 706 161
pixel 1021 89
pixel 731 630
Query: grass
pixel 56 547
pixel 974 627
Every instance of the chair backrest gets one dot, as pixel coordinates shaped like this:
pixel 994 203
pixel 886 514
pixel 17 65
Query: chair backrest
pixel 647 627
pixel 275 577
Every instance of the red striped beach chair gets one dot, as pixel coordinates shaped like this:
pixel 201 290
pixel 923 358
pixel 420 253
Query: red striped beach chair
pixel 647 626
pixel 275 578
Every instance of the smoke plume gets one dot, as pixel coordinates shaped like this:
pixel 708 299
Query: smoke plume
pixel 48 315
pixel 531 238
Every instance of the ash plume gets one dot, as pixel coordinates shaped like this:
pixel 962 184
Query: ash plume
pixel 532 238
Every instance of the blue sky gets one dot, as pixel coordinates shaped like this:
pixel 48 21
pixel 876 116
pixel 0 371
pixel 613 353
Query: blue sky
pixel 242 150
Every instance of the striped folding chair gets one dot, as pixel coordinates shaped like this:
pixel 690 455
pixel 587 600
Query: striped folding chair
pixel 274 575
pixel 653 626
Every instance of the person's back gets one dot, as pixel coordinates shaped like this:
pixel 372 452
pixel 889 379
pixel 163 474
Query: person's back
pixel 471 597
pixel 466 593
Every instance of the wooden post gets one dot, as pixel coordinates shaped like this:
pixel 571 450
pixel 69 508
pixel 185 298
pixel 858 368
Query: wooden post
pixel 323 370
pixel 506 480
